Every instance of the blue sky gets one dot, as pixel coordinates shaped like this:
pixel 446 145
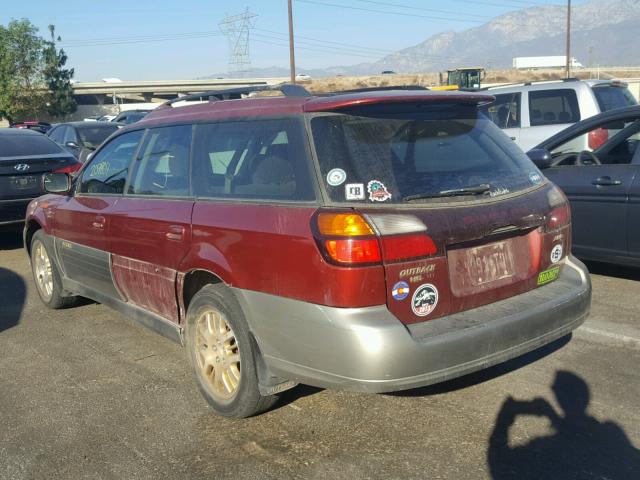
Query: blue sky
pixel 111 39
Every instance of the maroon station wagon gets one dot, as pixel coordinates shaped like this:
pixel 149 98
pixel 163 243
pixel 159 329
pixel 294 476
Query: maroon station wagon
pixel 373 241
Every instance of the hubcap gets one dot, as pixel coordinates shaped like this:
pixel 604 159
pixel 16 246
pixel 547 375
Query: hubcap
pixel 217 354
pixel 42 271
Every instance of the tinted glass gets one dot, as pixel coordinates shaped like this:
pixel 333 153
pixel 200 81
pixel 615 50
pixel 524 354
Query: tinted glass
pixel 162 165
pixel 549 107
pixel 57 134
pixel 264 159
pixel 69 135
pixel 505 111
pixel 387 156
pixel 92 137
pixel 108 169
pixel 24 145
pixel 610 97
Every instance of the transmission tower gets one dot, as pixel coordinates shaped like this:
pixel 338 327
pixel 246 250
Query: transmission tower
pixel 237 29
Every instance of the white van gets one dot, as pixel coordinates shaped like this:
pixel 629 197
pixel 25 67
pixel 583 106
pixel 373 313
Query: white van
pixel 532 112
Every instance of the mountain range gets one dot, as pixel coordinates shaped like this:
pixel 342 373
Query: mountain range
pixel 603 32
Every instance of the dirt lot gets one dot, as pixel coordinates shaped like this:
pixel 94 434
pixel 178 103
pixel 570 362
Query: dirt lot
pixel 86 394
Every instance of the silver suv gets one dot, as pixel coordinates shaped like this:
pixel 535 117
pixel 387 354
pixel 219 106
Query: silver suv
pixel 532 112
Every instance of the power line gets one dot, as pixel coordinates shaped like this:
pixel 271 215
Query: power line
pixel 99 42
pixel 411 7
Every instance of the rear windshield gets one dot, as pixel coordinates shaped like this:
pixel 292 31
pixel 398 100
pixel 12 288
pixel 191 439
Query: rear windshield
pixel 610 97
pixel 92 137
pixel 387 156
pixel 24 145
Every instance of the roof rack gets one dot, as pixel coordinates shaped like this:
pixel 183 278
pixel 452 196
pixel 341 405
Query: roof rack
pixel 287 89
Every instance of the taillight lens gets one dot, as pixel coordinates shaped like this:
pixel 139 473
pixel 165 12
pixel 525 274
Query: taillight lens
pixel 349 239
pixel 74 167
pixel 597 137
pixel 354 251
pixel 559 217
pixel 402 247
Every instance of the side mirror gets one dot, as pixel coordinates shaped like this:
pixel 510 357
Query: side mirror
pixel 540 157
pixel 72 145
pixel 56 183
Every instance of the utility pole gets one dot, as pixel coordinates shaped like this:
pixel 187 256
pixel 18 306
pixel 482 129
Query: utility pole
pixel 568 67
pixel 292 55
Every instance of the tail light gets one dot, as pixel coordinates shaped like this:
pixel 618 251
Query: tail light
pixel 559 217
pixel 349 239
pixel 74 167
pixel 597 137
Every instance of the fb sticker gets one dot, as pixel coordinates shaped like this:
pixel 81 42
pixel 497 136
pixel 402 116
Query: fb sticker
pixel 556 253
pixel 336 177
pixel 400 291
pixel 424 300
pixel 535 178
pixel 354 191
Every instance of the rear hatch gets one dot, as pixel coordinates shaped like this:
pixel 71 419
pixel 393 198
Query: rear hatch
pixel 23 160
pixel 461 216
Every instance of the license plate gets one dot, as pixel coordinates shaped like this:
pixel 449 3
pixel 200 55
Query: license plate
pixel 26 181
pixel 489 263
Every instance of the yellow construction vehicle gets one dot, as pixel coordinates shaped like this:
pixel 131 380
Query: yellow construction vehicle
pixel 467 78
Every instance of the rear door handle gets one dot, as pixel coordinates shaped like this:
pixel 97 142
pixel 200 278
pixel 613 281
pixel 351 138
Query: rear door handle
pixel 175 233
pixel 606 182
pixel 98 222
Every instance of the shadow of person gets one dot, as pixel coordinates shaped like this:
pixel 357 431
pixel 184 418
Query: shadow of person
pixel 580 447
pixel 12 298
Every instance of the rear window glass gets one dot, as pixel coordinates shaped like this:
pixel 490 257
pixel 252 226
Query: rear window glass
pixel 388 156
pixel 610 97
pixel 550 107
pixel 24 145
pixel 92 137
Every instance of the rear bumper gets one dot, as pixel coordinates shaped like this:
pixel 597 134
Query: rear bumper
pixel 13 211
pixel 368 349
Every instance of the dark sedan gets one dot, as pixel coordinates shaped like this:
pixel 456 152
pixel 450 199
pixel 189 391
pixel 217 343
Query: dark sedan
pixel 24 156
pixel 81 138
pixel 601 182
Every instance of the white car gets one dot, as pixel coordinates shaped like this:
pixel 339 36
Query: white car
pixel 303 77
pixel 532 112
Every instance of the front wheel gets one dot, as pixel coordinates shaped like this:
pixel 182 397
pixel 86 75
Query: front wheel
pixel 47 275
pixel 222 354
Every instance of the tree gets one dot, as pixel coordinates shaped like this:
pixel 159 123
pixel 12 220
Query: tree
pixel 60 100
pixel 21 76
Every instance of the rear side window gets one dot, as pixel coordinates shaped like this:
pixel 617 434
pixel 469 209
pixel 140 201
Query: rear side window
pixel 610 97
pixel 390 154
pixel 25 145
pixel 108 169
pixel 551 107
pixel 505 111
pixel 261 159
pixel 162 166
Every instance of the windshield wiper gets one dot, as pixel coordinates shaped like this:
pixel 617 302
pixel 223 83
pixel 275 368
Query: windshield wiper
pixel 473 190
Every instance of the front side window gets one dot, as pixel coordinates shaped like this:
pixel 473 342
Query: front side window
pixel 107 172
pixel 261 159
pixel 398 154
pixel 552 107
pixel 92 137
pixel 162 165
pixel 505 111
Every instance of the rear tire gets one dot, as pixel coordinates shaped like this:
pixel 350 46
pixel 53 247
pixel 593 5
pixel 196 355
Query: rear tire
pixel 222 354
pixel 47 276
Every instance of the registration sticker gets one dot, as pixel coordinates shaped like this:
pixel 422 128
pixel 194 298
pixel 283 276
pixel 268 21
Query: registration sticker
pixel 548 275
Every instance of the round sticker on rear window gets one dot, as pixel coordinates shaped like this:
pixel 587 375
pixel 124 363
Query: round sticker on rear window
pixel 424 300
pixel 336 177
pixel 535 178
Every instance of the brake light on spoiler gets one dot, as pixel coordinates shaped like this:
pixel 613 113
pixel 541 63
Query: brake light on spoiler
pixel 352 239
pixel 74 167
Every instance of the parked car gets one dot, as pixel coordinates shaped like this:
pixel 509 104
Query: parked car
pixel 303 77
pixel 41 127
pixel 603 184
pixel 532 112
pixel 81 138
pixel 130 116
pixel 416 244
pixel 388 72
pixel 24 156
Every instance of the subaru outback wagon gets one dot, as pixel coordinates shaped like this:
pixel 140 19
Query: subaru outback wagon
pixel 372 241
